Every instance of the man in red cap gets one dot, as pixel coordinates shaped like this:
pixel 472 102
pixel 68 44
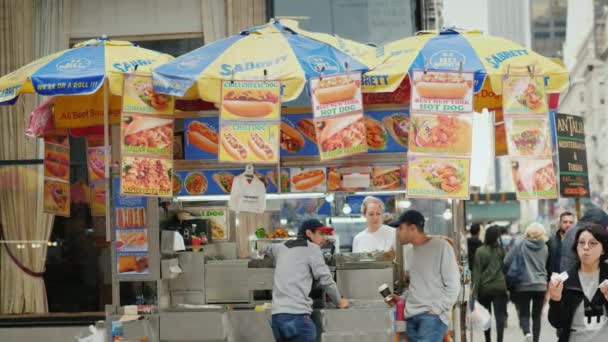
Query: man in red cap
pixel 297 264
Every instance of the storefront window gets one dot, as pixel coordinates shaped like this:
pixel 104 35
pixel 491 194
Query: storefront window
pixel 375 22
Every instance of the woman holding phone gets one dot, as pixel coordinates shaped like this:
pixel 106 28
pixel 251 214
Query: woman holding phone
pixel 579 305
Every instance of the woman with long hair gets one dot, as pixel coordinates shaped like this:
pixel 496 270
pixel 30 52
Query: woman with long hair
pixel 579 306
pixel 489 285
pixel 529 291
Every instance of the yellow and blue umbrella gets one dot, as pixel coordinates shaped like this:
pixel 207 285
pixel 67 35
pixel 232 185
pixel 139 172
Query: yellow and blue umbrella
pixel 487 56
pixel 80 70
pixel 272 51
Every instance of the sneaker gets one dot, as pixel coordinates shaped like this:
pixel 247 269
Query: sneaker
pixel 529 338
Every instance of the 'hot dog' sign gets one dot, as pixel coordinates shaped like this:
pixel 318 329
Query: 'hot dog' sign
pixel 336 95
pixel 442 91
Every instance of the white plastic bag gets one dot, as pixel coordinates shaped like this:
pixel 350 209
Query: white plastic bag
pixel 480 317
pixel 97 335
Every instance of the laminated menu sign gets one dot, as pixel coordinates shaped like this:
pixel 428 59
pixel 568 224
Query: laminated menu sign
pixel 534 178
pixel 129 211
pixel 248 142
pixel 201 139
pixel 386 178
pixel 95 163
pixel 249 121
pixel 146 134
pixel 132 263
pixel 218 219
pixel 96 170
pixel 442 91
pixel 146 176
pixel 387 130
pixel 336 95
pixel 349 178
pixel 146 139
pixel 438 177
pixel 341 136
pixel 524 94
pixel 298 135
pixel 441 133
pixel 56 175
pixel 132 240
pixel 140 97
pixel 528 137
pixel 253 100
pixel 572 155
pixel 308 180
pixel 98 198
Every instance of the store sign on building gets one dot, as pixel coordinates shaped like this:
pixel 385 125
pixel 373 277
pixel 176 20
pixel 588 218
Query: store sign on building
pixel 572 154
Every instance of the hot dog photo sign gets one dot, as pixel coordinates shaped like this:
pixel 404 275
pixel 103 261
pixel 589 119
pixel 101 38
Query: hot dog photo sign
pixel 442 91
pixel 336 95
pixel 253 100
pixel 246 142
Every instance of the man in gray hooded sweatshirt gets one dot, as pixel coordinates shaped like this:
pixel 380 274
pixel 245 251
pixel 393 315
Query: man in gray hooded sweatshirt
pixel 594 215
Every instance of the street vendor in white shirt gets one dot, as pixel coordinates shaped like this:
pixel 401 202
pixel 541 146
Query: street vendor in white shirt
pixel 377 237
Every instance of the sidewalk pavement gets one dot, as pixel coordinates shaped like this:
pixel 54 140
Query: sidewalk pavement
pixel 513 333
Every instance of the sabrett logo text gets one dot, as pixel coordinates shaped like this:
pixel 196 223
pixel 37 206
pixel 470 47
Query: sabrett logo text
pixel 229 69
pixel 374 80
pixel 129 65
pixel 496 59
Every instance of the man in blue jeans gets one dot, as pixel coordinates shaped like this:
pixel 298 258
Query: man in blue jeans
pixel 434 280
pixel 297 263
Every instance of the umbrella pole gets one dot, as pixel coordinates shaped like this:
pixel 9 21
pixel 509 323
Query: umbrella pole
pixel 106 156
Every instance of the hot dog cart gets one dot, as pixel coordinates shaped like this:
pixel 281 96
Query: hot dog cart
pixel 212 295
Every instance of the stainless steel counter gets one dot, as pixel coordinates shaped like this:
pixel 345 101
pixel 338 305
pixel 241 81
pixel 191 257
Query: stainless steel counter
pixel 364 321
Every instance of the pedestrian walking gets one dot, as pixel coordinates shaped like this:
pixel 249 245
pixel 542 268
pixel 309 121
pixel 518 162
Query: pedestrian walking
pixel 489 285
pixel 526 265
pixel 473 243
pixel 568 258
pixel 578 307
pixel 566 221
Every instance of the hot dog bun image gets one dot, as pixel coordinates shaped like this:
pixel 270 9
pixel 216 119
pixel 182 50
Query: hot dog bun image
pixel 343 132
pixel 386 178
pixel 442 85
pixel 398 126
pixel 308 179
pixel 233 146
pixel 260 147
pixel 335 89
pixel 307 127
pixel 148 133
pixel 291 141
pixel 202 137
pixel 56 164
pixel 250 103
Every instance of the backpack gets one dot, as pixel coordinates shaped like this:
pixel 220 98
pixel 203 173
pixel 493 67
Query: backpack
pixel 515 272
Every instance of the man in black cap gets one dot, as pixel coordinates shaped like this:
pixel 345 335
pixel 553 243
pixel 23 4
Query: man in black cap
pixel 434 280
pixel 297 264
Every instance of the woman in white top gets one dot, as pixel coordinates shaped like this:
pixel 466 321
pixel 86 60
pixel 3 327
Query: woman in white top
pixel 376 237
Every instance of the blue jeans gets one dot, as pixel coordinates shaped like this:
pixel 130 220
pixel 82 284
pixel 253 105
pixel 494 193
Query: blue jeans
pixel 293 328
pixel 425 328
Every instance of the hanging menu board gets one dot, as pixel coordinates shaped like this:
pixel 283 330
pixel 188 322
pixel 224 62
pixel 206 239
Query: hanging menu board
pixel 96 171
pixel 338 115
pixel 440 134
pixel 572 155
pixel 132 240
pixel 146 139
pixel 528 136
pixel 57 175
pixel 250 113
